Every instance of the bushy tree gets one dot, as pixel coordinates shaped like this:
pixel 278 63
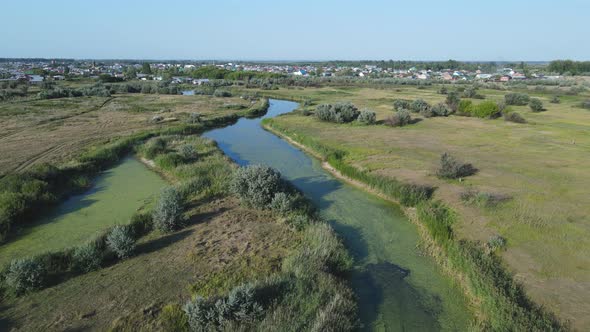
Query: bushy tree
pixel 256 185
pixel 87 257
pixel 536 105
pixel 555 100
pixel 470 92
pixel 121 241
pixel 443 90
pixel 367 117
pixel 419 106
pixel 399 119
pixel 25 275
pixel 167 214
pixel 451 168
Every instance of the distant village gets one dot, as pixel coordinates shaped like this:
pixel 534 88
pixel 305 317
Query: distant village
pixel 51 70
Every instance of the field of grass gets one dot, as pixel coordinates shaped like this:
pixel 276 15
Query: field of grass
pixel 54 130
pixel 542 165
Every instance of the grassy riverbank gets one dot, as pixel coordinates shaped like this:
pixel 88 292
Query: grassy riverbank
pixel 501 303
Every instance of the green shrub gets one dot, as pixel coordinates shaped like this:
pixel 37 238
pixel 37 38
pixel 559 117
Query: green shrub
pixel 167 214
pixel 555 100
pixel 25 275
pixel 282 203
pixel 453 100
pixel 154 147
pixel 338 113
pixel 443 90
pixel 87 257
pixel 240 306
pixel 337 315
pixel 399 119
pixel 419 106
pixel 221 93
pixel 465 107
pixel 519 99
pixel 470 92
pixel 440 109
pixel 121 241
pixel 193 118
pixel 298 221
pixel 188 152
pixel 256 185
pixel 367 117
pixel 496 242
pixel 487 109
pixel 451 168
pixel 536 105
pixel 513 117
pixel 401 104
pixel 169 160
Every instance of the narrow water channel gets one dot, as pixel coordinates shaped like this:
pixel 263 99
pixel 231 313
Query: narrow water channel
pixel 113 198
pixel 398 288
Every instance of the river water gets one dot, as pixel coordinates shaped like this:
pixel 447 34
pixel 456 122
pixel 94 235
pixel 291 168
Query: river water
pixel 398 288
pixel 113 198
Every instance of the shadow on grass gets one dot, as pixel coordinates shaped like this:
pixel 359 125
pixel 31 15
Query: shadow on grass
pixel 161 242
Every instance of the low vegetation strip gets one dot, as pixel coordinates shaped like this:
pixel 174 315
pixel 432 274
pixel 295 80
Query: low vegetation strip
pixel 501 302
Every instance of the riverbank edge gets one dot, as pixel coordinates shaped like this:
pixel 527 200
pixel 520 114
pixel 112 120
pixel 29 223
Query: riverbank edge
pixel 443 253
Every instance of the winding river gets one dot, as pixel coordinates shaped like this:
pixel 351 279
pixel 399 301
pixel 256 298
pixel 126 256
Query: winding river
pixel 399 289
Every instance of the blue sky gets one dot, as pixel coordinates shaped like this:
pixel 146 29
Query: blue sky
pixel 494 30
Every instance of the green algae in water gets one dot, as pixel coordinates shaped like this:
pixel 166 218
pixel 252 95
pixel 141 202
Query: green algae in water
pixel 398 288
pixel 115 195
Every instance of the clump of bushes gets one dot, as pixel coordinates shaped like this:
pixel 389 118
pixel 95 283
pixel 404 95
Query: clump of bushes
pixel 555 100
pixel 452 168
pixel 399 119
pixel 154 147
pixel 239 307
pixel 440 109
pixel 87 257
pixel 487 109
pixel 585 104
pixel 167 214
pixel 402 104
pixel 221 93
pixel 367 117
pixel 536 105
pixel 121 241
pixel 256 185
pixel 419 106
pixel 465 107
pixel 338 113
pixel 25 275
pixel 443 90
pixel 513 117
pixel 169 160
pixel 453 100
pixel 518 99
